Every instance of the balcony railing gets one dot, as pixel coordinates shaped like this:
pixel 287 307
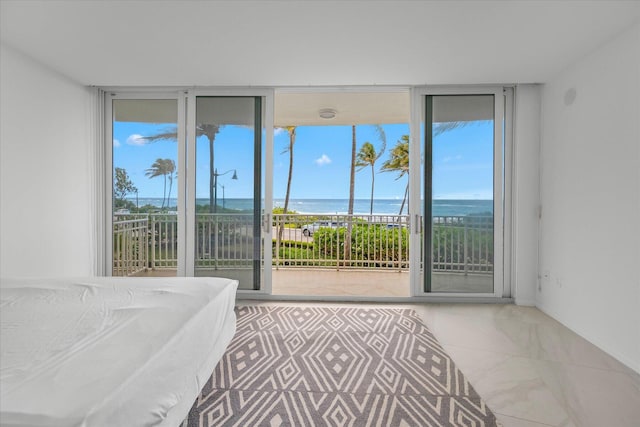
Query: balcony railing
pixel 341 241
pixel 224 241
pixel 130 246
pixel 461 244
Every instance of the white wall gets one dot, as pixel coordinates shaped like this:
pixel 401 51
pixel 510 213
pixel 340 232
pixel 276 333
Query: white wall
pixel 590 194
pixel 526 193
pixel 45 180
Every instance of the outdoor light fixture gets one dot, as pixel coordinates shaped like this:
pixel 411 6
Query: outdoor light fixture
pixel 327 113
pixel 215 175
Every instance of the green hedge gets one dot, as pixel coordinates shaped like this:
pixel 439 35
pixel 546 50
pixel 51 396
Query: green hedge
pixel 368 242
pixel 448 245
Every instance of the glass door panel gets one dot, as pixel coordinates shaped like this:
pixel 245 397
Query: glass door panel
pixel 458 203
pixel 145 188
pixel 228 188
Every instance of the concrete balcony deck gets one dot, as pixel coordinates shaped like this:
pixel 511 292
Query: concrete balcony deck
pixel 373 283
pixel 326 282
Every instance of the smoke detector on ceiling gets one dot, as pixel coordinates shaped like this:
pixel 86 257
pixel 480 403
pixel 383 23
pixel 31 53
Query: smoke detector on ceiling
pixel 327 113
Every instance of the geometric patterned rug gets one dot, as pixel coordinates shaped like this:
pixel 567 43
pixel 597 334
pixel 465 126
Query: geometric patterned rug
pixel 322 366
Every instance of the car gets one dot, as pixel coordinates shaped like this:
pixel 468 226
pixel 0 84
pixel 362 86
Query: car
pixel 309 229
pixel 393 226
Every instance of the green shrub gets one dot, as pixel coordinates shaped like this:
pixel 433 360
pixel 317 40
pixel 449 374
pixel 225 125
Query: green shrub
pixel 449 243
pixel 368 242
pixel 292 244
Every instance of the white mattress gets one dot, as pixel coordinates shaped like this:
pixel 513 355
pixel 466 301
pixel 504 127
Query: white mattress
pixel 109 351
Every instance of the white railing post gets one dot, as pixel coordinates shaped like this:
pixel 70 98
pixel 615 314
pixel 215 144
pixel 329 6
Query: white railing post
pixel 279 231
pixel 400 235
pixel 466 257
pixel 215 241
pixel 129 246
pixel 145 234
pixel 153 240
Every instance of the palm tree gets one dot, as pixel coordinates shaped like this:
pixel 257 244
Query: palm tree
pixel 171 169
pixel 367 156
pixel 352 173
pixel 352 186
pixel 352 180
pixel 399 161
pixel 162 167
pixel 210 131
pixel 292 141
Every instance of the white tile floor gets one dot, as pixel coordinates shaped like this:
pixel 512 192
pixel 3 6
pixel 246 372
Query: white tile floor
pixel 531 370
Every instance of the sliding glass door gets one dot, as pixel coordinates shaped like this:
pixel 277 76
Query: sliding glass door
pixel 461 186
pixel 186 185
pixel 190 173
pixel 144 187
pixel 228 140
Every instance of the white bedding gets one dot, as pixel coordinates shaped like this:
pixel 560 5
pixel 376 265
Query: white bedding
pixel 109 351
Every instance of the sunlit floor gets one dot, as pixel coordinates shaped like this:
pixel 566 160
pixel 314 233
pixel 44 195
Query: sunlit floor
pixel 531 370
pixel 309 282
pixel 366 283
pixel 321 282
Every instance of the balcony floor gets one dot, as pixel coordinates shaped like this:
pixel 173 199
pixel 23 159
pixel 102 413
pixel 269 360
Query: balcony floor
pixel 376 283
pixel 323 282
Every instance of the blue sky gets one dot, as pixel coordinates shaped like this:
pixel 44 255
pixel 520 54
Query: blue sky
pixel 463 160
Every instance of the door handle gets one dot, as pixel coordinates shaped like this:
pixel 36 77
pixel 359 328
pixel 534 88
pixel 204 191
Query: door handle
pixel 267 223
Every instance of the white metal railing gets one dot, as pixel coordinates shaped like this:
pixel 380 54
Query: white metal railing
pixel 130 246
pixel 163 241
pixel 341 241
pixel 224 241
pixel 461 244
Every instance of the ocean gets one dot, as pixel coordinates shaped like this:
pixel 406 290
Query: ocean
pixel 339 206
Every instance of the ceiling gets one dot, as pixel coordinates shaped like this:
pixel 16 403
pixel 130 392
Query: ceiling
pixel 319 54
pixel 350 107
pixel 310 43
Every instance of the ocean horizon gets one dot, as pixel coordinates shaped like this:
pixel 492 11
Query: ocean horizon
pixel 441 207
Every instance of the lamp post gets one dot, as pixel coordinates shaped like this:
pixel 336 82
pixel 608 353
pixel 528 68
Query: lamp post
pixel 223 204
pixel 215 186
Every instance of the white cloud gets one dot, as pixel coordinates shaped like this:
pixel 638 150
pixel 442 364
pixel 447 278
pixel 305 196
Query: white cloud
pixel 116 143
pixel 136 139
pixel 322 160
pixel 278 131
pixel 450 158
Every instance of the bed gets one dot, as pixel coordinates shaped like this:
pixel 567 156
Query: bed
pixel 109 351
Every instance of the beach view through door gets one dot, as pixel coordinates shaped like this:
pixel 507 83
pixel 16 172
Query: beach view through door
pixel 340 183
pixel 187 186
pixel 144 196
pixel 461 192
pixel 228 191
pixel 330 213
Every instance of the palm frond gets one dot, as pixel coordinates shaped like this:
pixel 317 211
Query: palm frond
pixel 440 128
pixel 399 158
pixel 168 135
pixel 383 137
